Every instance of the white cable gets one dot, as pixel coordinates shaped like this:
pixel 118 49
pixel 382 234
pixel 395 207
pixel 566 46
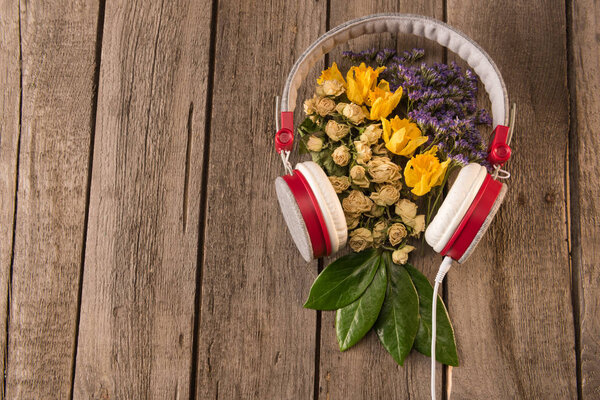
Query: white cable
pixel 444 267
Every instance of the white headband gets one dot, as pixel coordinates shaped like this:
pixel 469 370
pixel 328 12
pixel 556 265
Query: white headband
pixel 417 25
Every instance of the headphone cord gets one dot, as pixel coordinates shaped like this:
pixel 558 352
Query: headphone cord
pixel 444 267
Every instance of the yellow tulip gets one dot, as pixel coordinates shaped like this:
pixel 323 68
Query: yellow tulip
pixel 401 136
pixel 331 74
pixel 361 80
pixel 425 171
pixel 382 100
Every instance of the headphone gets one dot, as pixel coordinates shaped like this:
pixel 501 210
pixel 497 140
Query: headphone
pixel 308 202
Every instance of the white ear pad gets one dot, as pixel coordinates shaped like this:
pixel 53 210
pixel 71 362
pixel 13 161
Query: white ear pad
pixel 293 219
pixel 329 203
pixel 486 224
pixel 455 206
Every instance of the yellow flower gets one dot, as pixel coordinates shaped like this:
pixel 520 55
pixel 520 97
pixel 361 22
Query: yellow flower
pixel 425 171
pixel 382 100
pixel 401 136
pixel 331 74
pixel 361 80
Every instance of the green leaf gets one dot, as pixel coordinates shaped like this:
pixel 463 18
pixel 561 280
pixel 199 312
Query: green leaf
pixel 307 127
pixel 398 320
pixel 354 321
pixel 445 350
pixel 343 281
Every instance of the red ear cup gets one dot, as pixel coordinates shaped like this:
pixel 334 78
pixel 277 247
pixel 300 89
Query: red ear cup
pixel 476 220
pixel 303 216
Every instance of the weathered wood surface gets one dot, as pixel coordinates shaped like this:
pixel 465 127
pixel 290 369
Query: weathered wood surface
pixel 255 339
pixel 10 72
pixel 191 287
pixel 57 50
pixel 584 86
pixel 139 282
pixel 511 302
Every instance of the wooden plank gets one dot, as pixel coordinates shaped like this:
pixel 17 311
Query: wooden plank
pixel 367 371
pixel 511 302
pixel 585 190
pixel 255 339
pixel 10 82
pixel 137 311
pixel 58 41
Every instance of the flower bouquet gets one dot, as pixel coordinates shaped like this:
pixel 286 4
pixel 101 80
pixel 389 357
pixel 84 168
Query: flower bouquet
pixel 388 135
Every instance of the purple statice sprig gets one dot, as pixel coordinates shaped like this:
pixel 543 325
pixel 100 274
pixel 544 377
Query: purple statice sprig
pixel 441 98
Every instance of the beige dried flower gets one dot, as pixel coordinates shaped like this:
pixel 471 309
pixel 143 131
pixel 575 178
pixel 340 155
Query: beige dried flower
pixel 341 155
pixel 379 233
pixel 363 152
pixel 331 87
pixel 339 183
pixel 396 233
pixel 360 239
pixel 354 113
pixel 406 209
pixel 314 143
pixel 382 169
pixel 352 220
pixel 309 105
pixel 376 211
pixel 417 223
pixel 400 256
pixel 340 107
pixel 385 196
pixel 358 175
pixel 371 134
pixel 324 106
pixel 336 131
pixel 380 149
pixel 357 202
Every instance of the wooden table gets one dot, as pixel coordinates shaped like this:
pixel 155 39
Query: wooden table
pixel 142 251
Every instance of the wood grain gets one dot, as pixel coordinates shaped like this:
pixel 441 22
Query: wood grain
pixel 511 302
pixel 139 283
pixel 58 41
pixel 367 371
pixel 585 189
pixel 255 339
pixel 10 84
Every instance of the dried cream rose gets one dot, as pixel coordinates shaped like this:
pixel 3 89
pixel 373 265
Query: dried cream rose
pixel 352 220
pixel 340 108
pixel 358 175
pixel 360 239
pixel 406 209
pixel 363 152
pixel 418 225
pixel 385 196
pixel 332 88
pixel 396 233
pixel 309 105
pixel 339 183
pixel 379 233
pixel 357 202
pixel 324 106
pixel 336 131
pixel 376 211
pixel 380 149
pixel 371 134
pixel 400 256
pixel 314 143
pixel 354 113
pixel 341 156
pixel 382 169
